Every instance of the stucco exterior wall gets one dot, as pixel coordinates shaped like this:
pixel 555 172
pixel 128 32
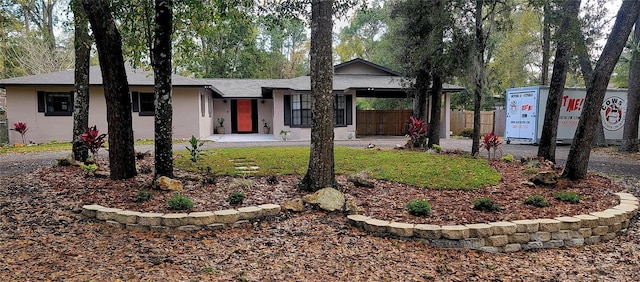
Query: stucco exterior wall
pixel 22 107
pixel 222 110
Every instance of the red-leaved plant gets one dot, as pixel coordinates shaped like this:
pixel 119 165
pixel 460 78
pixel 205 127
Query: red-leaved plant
pixel 93 140
pixel 417 132
pixel 490 142
pixel 21 127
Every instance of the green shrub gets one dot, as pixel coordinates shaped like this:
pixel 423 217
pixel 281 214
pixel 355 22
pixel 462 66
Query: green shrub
pixel 180 202
pixel 236 198
pixel 418 207
pixel 569 197
pixel 143 196
pixel 89 168
pixel 437 148
pixel 536 201
pixel 508 158
pixel 485 204
pixel 530 170
pixel 467 132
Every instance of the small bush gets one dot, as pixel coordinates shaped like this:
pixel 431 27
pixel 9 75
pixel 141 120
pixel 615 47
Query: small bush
pixel 508 158
pixel 437 148
pixel 485 204
pixel 467 132
pixel 419 207
pixel 89 168
pixel 530 170
pixel 180 202
pixel 272 180
pixel 195 148
pixel 417 132
pixel 143 196
pixel 536 201
pixel 569 197
pixel 236 198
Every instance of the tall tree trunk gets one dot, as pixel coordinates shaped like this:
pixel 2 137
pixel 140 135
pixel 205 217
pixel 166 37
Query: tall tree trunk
pixel 479 76
pixel 82 46
pixel 116 88
pixel 547 148
pixel 433 132
pixel 578 159
pixel 420 93
pixel 162 76
pixel 546 43
pixel 584 61
pixel 320 173
pixel 630 133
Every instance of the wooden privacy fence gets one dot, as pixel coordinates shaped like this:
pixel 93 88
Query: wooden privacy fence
pixel 4 132
pixel 489 120
pixel 382 122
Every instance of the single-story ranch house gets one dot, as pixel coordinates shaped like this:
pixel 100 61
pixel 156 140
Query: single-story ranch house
pixel 45 103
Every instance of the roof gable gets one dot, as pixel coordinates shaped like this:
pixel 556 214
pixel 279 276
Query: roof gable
pixel 363 67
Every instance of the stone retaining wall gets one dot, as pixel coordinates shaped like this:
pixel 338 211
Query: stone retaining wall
pixel 134 220
pixel 515 235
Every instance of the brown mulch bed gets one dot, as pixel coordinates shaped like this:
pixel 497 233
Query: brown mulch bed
pixel 385 201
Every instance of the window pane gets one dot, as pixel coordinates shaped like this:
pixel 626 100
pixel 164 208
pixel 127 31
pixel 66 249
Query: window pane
pixel 146 102
pixel 58 102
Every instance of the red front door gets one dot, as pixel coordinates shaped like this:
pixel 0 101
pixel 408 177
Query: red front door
pixel 245 121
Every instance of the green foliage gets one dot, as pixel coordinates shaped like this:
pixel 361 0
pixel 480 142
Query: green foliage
pixel 530 170
pixel 236 198
pixel 143 196
pixel 536 201
pixel 194 148
pixel 437 148
pixel 180 202
pixel 485 204
pixel 209 269
pixel 508 158
pixel 569 197
pixel 418 207
pixel 467 132
pixel 424 170
pixel 89 168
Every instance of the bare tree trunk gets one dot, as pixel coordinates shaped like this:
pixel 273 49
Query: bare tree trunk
pixel 420 93
pixel 82 46
pixel 162 76
pixel 433 132
pixel 630 133
pixel 578 159
pixel 320 173
pixel 547 148
pixel 479 76
pixel 116 88
pixel 546 43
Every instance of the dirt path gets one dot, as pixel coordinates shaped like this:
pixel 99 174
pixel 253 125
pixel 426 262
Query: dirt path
pixel 11 164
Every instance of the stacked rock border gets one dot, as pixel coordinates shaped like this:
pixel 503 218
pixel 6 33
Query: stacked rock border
pixel 215 220
pixel 516 235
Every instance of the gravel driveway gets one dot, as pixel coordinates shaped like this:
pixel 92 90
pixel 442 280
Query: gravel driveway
pixel 601 162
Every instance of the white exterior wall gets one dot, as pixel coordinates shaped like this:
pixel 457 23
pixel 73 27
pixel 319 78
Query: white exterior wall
pixel 22 106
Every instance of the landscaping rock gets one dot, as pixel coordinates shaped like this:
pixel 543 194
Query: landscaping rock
pixel 528 183
pixel 361 179
pixel 168 184
pixel 328 199
pixel 296 205
pixel 545 178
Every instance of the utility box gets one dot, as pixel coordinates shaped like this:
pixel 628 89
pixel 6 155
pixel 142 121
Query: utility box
pixel 525 110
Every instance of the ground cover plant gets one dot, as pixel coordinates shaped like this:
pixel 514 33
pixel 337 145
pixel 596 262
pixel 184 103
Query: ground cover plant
pixel 413 168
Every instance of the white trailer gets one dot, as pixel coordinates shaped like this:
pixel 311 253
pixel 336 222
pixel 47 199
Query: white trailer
pixel 525 110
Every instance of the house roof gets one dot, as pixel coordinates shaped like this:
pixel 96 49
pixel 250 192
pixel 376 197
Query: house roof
pixel 343 67
pixel 136 77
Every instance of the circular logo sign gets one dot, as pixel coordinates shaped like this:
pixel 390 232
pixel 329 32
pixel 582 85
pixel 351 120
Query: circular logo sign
pixel 513 107
pixel 612 113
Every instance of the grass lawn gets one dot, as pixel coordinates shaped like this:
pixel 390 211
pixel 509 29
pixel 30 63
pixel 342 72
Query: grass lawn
pixel 62 146
pixel 415 168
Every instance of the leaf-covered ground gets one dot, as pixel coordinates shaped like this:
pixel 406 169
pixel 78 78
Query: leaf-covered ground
pixel 44 237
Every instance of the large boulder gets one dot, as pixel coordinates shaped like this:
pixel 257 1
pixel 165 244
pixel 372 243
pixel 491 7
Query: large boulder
pixel 361 179
pixel 328 199
pixel 545 178
pixel 168 184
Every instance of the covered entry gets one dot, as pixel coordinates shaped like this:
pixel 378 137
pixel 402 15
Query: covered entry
pixel 244 116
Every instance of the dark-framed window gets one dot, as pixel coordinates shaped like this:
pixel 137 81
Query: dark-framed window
pixel 143 103
pixel 297 110
pixel 55 103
